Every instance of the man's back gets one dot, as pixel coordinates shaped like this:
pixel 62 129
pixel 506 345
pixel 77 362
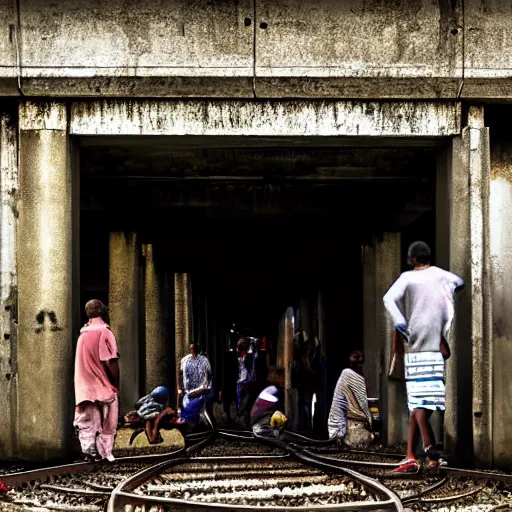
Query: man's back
pixel 427 305
pixel 96 345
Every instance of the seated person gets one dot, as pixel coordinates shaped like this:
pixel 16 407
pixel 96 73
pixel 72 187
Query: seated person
pixel 266 419
pixel 154 412
pixel 350 418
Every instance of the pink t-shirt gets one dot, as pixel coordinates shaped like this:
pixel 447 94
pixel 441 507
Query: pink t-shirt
pixel 96 344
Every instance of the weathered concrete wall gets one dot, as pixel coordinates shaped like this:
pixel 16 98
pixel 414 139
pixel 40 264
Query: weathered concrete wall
pixel 358 48
pixel 501 254
pixel 487 49
pixel 257 48
pixel 44 283
pixel 8 283
pixel 284 118
pixel 128 48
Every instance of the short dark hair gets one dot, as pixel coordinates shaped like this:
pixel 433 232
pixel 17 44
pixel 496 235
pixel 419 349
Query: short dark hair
pixel 419 252
pixel 197 347
pixel 243 344
pixel 95 309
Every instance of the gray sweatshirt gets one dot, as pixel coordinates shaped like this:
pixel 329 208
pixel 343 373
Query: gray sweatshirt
pixel 423 300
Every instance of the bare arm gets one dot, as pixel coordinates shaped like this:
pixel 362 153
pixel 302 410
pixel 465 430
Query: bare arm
pixel 392 300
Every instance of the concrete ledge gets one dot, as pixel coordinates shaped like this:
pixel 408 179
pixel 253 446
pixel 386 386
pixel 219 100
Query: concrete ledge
pixel 266 118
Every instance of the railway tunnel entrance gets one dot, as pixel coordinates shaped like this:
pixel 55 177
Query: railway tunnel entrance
pixel 258 225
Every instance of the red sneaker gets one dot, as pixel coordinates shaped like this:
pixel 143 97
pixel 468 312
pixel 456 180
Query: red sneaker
pixel 409 466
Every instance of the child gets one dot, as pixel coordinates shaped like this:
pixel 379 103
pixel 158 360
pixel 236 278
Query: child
pixel 425 295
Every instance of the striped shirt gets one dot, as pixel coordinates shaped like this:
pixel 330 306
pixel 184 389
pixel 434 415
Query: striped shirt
pixel 350 402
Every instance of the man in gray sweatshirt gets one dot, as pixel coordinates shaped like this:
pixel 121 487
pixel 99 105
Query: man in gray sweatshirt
pixel 421 305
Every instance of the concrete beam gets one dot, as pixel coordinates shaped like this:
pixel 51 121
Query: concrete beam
pixel 292 59
pixel 120 49
pixel 123 303
pixel 393 398
pixel 44 285
pixel 280 118
pixel 157 322
pixel 8 284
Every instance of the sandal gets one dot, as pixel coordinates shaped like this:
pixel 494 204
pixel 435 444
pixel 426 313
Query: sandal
pixel 409 466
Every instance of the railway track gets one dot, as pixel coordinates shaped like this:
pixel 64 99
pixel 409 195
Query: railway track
pixel 228 470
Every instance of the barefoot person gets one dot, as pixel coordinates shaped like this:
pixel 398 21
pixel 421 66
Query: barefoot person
pixel 421 305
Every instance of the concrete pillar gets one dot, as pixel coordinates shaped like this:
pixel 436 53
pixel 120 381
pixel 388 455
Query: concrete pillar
pixel 123 298
pixel 183 317
pixel 463 247
pixel 481 292
pixel 156 299
pixel 393 399
pixel 8 284
pixel 372 348
pixel 45 308
pixel 288 359
pixel 501 258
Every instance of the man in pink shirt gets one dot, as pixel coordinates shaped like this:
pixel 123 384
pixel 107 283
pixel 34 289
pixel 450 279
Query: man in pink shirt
pixel 96 385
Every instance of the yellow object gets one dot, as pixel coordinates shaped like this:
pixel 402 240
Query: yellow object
pixel 278 420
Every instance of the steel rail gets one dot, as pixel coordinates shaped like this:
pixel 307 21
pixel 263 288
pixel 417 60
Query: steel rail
pixel 21 477
pixel 351 462
pixel 123 494
pixel 393 500
pixel 476 474
pixel 142 476
pixel 453 497
pixel 428 490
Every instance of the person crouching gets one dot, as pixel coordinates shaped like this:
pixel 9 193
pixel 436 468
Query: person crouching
pixel 266 418
pixel 350 419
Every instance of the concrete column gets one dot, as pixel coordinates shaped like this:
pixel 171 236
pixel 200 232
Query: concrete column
pixel 393 399
pixel 372 348
pixel 8 284
pixel 183 317
pixel 463 247
pixel 123 298
pixel 452 249
pixel 45 356
pixel 156 298
pixel 501 257
pixel 288 359
pixel 481 292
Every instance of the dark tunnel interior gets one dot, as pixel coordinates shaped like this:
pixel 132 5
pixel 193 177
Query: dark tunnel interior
pixel 260 226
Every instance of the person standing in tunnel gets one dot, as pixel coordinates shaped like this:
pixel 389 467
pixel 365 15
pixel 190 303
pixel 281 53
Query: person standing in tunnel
pixel 96 385
pixel 421 305
pixel 195 383
pixel 246 379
